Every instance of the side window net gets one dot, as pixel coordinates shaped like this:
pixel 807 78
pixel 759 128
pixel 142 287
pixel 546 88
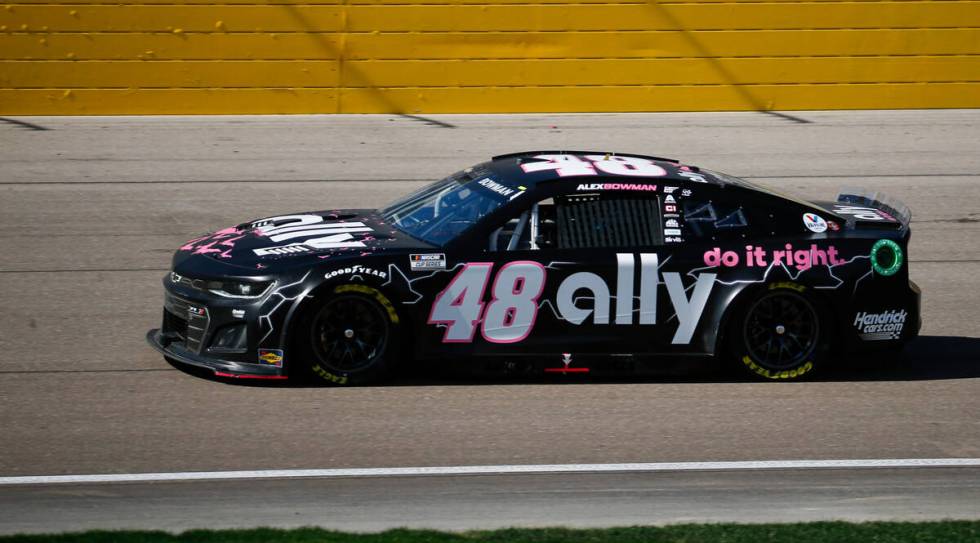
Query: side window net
pixel 586 221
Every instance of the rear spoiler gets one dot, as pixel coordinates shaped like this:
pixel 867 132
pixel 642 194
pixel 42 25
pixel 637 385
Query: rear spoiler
pixel 854 196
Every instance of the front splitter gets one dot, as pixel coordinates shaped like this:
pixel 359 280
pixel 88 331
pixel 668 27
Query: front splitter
pixel 221 368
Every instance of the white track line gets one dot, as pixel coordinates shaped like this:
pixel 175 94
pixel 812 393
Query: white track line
pixel 495 470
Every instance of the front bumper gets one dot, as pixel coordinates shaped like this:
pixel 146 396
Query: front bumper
pixel 215 333
pixel 172 348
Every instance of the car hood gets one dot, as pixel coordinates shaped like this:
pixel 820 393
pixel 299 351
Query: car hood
pixel 297 238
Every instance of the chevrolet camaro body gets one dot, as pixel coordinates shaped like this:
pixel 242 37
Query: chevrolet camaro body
pixel 568 262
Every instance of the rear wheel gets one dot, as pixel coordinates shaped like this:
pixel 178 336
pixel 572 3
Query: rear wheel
pixel 779 334
pixel 351 337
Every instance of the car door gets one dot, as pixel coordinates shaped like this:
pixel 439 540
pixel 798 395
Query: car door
pixel 587 253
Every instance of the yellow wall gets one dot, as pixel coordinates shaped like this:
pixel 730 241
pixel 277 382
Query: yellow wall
pixel 440 56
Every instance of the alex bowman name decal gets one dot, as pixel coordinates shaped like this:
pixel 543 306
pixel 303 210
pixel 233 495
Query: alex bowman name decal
pixel 617 186
pixel 510 315
pixel 880 326
pixel 500 189
pixel 319 234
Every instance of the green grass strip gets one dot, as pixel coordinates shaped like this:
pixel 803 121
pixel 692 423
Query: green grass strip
pixel 815 532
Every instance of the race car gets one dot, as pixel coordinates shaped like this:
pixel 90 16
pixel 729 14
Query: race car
pixel 563 262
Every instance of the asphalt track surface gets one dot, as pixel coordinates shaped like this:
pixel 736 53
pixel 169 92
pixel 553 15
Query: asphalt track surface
pixel 92 208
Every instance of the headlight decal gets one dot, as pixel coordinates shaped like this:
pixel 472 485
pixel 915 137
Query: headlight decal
pixel 239 289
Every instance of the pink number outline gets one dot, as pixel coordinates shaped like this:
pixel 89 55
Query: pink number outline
pixel 554 162
pixel 626 166
pixel 458 301
pixel 515 291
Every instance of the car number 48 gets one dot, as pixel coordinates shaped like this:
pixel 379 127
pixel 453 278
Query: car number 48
pixel 507 318
pixel 572 165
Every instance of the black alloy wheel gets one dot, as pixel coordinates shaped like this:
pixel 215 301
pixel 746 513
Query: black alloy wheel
pixel 780 335
pixel 350 334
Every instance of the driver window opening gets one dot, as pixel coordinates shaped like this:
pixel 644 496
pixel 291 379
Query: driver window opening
pixel 583 221
pixel 533 229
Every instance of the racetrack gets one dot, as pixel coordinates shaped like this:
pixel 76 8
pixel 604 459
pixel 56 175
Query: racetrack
pixel 92 208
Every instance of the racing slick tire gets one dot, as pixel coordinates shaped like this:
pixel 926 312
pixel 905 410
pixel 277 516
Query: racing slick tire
pixel 351 337
pixel 779 334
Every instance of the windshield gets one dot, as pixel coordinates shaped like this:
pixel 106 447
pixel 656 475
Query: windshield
pixel 441 211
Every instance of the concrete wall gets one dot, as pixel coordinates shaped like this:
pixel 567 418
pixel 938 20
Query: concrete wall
pixel 429 56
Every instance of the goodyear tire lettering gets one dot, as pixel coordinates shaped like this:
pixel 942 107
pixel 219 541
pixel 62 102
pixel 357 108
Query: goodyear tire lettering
pixel 374 293
pixel 787 284
pixel 794 373
pixel 326 375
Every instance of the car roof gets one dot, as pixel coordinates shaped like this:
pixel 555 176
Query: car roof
pixel 508 168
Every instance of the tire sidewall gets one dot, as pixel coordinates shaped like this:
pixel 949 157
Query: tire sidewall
pixel 380 368
pixel 804 369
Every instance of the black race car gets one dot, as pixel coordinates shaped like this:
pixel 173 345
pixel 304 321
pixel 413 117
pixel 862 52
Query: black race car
pixel 548 261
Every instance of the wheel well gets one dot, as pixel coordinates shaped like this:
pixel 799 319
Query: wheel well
pixel 310 301
pixel 734 308
pixel 821 302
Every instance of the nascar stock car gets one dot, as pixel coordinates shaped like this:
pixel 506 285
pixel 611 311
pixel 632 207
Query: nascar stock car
pixel 549 262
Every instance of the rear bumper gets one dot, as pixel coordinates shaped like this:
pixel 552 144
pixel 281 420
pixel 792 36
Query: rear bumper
pixel 917 314
pixel 881 333
pixel 173 349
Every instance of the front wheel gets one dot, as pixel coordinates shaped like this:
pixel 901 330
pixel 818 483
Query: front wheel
pixel 351 337
pixel 779 335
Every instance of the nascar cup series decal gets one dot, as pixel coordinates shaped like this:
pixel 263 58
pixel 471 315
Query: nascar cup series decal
pixel 512 311
pixel 433 261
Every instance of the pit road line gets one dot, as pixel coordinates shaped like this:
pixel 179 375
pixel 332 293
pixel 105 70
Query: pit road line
pixel 494 470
